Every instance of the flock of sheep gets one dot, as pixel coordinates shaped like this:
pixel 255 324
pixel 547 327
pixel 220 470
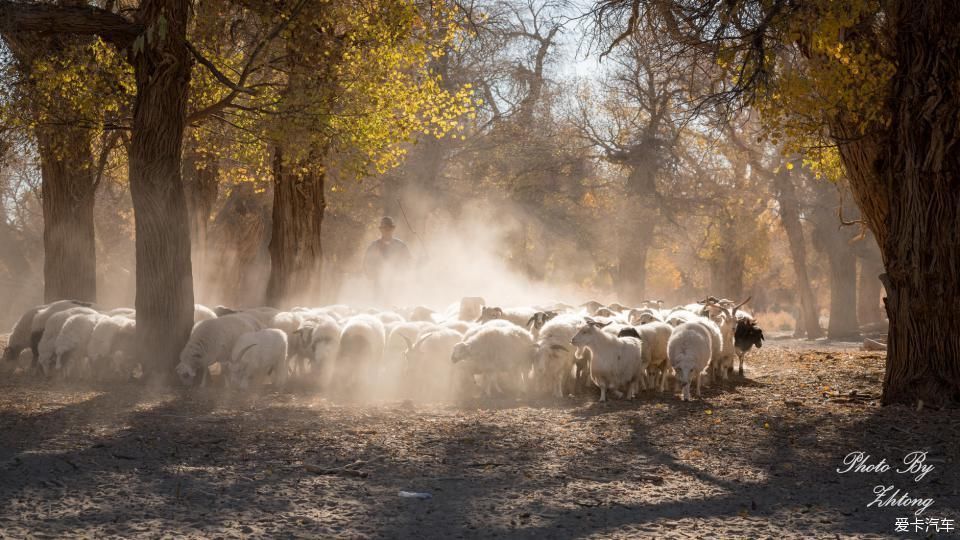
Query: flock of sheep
pixel 467 349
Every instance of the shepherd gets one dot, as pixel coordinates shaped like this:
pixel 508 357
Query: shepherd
pixel 386 262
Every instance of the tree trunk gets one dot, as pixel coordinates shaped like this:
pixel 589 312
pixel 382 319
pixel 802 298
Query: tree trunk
pixel 164 286
pixel 834 242
pixel 67 175
pixel 67 188
pixel 634 245
pixel 843 293
pixel 809 321
pixel 726 275
pixel 295 242
pixel 921 170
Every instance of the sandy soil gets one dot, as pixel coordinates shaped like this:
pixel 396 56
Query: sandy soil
pixel 756 459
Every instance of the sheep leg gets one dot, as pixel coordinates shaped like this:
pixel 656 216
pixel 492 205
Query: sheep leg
pixel 603 394
pixel 698 386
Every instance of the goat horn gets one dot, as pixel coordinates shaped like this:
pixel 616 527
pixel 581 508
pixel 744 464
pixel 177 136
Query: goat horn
pixel 738 306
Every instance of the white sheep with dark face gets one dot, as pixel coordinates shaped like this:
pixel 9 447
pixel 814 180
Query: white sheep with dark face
pixel 616 362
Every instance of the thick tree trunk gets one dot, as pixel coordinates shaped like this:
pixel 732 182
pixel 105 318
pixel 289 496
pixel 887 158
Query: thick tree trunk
pixel 67 188
pixel 843 293
pixel 809 322
pixel 164 286
pixel 295 242
pixel 67 174
pixel 921 171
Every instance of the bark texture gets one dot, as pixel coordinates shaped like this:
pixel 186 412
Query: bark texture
pixel 920 170
pixel 164 281
pixel 67 172
pixel 295 241
pixel 67 190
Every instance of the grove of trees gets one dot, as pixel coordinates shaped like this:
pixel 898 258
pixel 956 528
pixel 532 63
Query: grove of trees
pixel 241 151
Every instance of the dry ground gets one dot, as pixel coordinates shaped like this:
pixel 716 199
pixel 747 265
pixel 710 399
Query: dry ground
pixel 757 459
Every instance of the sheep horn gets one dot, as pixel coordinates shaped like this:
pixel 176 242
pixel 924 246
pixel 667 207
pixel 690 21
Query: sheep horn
pixel 244 351
pixel 738 306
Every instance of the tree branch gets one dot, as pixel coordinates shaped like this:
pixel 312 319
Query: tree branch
pixel 48 18
pixel 216 72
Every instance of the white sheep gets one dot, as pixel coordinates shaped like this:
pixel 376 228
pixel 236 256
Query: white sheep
pixel 427 362
pixel 111 345
pixel 47 346
pixel 655 336
pixel 39 323
pixel 556 355
pixel 678 316
pixel 360 351
pixel 388 317
pixel 519 316
pixel 459 326
pixel 494 351
pixel 400 336
pixel 70 347
pixel 19 339
pixel 616 361
pixel 725 318
pixel 122 312
pixel 211 342
pixel 690 349
pixel 257 355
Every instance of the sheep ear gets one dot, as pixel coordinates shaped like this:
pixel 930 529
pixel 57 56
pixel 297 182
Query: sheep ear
pixel 532 321
pixel 603 325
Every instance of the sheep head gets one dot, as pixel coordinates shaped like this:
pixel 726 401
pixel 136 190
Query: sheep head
pixel 588 332
pixel 489 313
pixel 461 352
pixel 539 319
pixel 187 373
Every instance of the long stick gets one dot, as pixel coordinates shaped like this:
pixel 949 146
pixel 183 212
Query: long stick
pixel 423 245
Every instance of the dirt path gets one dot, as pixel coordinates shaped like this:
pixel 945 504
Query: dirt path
pixel 755 460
